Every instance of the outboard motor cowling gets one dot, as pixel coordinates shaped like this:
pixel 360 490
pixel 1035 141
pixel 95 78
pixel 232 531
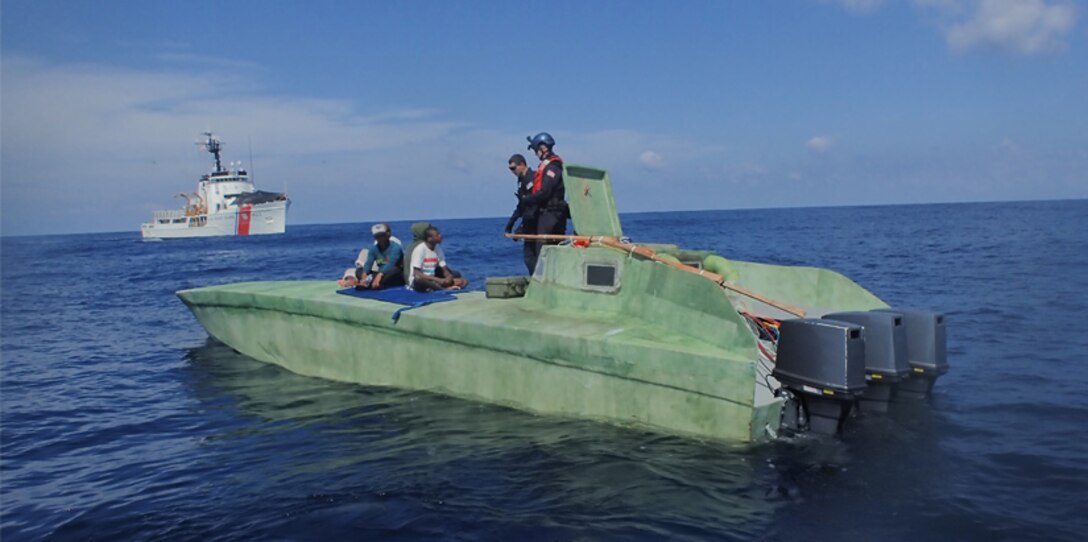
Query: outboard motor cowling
pixel 886 361
pixel 926 351
pixel 822 362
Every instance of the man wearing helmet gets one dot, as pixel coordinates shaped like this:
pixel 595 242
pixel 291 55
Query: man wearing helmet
pixel 548 193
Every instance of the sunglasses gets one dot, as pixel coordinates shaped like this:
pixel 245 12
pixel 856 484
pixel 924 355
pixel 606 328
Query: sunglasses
pixel 512 168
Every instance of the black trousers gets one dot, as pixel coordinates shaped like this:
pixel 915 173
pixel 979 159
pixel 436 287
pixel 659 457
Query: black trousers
pixel 530 249
pixel 548 223
pixel 393 278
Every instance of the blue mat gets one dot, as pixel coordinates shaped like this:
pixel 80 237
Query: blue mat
pixel 401 296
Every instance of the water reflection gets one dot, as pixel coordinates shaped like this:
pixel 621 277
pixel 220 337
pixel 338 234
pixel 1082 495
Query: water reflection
pixel 478 463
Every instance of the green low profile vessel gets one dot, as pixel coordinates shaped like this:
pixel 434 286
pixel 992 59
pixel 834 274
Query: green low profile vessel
pixel 596 333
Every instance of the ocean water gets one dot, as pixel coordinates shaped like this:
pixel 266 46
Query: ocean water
pixel 121 420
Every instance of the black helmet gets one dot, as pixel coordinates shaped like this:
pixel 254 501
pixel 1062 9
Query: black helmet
pixel 541 138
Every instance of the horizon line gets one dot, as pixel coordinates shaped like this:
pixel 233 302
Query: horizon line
pixel 136 230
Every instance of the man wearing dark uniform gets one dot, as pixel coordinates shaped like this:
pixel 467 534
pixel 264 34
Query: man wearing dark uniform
pixel 548 192
pixel 524 211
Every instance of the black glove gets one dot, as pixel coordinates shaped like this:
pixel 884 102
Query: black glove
pixel 510 226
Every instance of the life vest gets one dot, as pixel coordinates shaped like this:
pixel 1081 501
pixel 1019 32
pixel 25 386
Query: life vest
pixel 539 179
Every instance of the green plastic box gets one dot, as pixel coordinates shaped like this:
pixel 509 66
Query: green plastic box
pixel 506 287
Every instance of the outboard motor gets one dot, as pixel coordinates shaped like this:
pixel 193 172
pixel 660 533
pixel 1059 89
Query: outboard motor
pixel 886 361
pixel 822 363
pixel 926 347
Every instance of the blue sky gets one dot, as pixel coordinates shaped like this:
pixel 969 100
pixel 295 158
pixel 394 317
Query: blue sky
pixel 395 110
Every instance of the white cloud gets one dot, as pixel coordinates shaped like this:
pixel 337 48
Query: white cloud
pixel 651 160
pixel 752 173
pixel 952 6
pixel 820 143
pixel 190 59
pixel 1009 147
pixel 97 148
pixel 860 6
pixel 121 142
pixel 1019 26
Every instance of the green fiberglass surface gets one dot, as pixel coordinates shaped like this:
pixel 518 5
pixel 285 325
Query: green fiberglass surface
pixel 589 196
pixel 608 363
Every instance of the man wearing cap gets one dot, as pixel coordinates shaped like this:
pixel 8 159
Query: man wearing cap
pixel 382 267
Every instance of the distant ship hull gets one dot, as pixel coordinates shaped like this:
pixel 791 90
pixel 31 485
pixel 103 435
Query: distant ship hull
pixel 263 219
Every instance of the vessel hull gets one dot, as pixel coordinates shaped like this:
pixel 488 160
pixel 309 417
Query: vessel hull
pixel 264 219
pixel 499 351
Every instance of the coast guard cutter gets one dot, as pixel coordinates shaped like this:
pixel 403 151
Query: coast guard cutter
pixel 225 203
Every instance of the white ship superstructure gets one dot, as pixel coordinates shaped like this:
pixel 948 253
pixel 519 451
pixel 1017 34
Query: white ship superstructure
pixel 225 203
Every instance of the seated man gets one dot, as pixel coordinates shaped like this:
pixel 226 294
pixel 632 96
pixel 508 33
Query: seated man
pixel 382 265
pixel 429 270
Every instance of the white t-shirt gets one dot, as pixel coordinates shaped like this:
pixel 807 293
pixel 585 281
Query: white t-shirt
pixel 426 260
